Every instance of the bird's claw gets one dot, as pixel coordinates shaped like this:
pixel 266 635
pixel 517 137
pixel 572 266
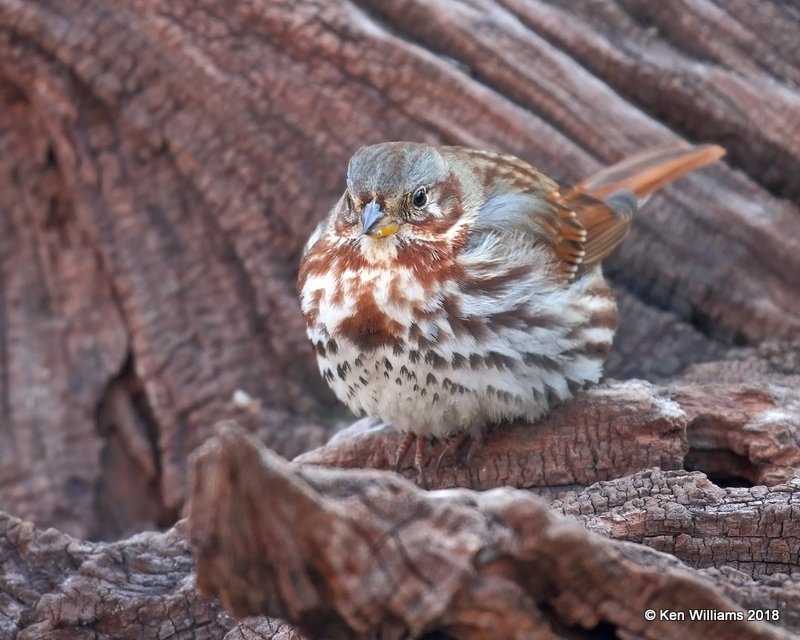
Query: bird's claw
pixel 402 450
pixel 419 456
pixel 452 445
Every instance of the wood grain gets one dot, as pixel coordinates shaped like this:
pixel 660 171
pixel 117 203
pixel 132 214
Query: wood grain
pixel 162 166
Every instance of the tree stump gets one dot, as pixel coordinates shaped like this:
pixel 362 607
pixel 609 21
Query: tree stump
pixel 162 167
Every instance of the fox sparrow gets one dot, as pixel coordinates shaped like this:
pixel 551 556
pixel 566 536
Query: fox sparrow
pixel 450 289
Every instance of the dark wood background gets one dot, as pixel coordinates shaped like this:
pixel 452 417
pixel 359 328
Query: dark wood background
pixel 162 163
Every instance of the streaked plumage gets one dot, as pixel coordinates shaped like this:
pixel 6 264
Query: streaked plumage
pixel 485 304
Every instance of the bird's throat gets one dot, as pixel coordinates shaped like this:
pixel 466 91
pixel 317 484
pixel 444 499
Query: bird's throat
pixel 378 251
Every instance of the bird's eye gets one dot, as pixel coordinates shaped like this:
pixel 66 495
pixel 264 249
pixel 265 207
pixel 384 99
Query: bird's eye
pixel 420 198
pixel 349 211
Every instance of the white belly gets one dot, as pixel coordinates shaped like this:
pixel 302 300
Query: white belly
pixel 445 379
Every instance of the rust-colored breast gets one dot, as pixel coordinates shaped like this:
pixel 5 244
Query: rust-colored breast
pixel 369 327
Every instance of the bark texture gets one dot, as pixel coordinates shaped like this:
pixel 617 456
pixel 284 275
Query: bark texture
pixel 498 564
pixel 161 166
pixel 55 586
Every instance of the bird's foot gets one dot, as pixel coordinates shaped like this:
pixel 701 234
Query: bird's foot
pixel 452 445
pixel 402 450
pixel 476 442
pixel 419 455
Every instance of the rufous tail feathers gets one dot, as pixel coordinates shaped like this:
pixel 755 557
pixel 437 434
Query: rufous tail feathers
pixel 606 203
pixel 647 172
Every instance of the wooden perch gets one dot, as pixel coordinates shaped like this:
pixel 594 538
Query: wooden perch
pixel 732 431
pixel 360 554
pixel 278 539
pixel 164 163
pixel 606 432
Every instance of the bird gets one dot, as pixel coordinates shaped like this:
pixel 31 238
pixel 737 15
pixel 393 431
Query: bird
pixel 451 289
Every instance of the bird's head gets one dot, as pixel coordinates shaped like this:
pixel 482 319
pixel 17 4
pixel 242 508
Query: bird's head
pixel 399 194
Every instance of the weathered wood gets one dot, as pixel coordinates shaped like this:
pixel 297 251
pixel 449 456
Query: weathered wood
pixel 610 431
pixel 755 530
pixel 162 165
pixel 62 339
pixel 262 628
pixel 54 586
pixel 466 564
pixel 706 253
pixel 749 536
pixel 735 432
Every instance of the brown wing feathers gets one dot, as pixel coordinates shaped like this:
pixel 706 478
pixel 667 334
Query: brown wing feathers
pixel 593 217
pixel 570 236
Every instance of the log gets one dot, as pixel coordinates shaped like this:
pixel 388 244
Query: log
pixel 304 548
pixel 162 166
pixel 361 554
pixel 736 433
pixel 55 586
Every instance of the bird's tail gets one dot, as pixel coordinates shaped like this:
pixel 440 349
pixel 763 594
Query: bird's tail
pixel 606 203
pixel 647 172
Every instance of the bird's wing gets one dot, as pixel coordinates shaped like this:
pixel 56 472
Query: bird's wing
pixel 585 223
pixel 605 203
pixel 586 230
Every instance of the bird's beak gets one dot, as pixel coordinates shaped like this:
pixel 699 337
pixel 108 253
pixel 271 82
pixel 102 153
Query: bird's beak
pixel 376 223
